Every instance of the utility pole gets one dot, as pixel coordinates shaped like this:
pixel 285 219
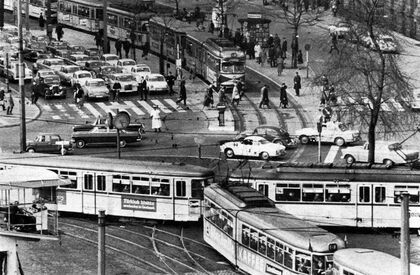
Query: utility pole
pixel 21 70
pixel 27 15
pixel 101 242
pixel 105 45
pixel 405 235
pixel 222 14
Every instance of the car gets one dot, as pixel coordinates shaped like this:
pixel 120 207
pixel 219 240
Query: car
pixel 52 87
pixel 126 64
pixel 103 135
pixel 40 58
pixel 141 70
pixel 387 43
pixel 79 59
pixel 95 88
pixel 105 71
pixel 48 143
pixel 94 65
pixel 80 77
pixel 59 48
pixel 41 74
pixel 76 49
pixel 157 83
pixel 334 132
pixel 30 55
pixel 271 133
pixel 340 29
pixel 127 81
pixel 386 152
pixel 252 146
pixel 66 72
pixel 92 52
pixel 136 127
pixel 110 58
pixel 51 63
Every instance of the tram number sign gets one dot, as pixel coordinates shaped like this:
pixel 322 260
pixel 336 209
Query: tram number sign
pixel 138 203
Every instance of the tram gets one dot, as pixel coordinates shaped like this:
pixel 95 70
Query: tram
pixel 251 233
pixel 203 53
pixel 362 261
pixel 338 195
pixel 137 189
pixel 36 7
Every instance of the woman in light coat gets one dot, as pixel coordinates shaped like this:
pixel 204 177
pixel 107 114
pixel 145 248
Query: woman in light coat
pixel 156 120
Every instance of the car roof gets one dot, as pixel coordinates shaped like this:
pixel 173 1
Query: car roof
pixel 122 74
pixel 126 59
pixel 45 70
pixel 109 54
pixel 141 66
pixel 255 138
pixel 95 80
pixel 270 127
pixel 80 55
pixel 155 75
pixel 48 134
pixel 70 66
pixel 81 71
pixel 54 59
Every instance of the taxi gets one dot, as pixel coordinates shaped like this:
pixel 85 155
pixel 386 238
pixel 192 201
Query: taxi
pixel 252 146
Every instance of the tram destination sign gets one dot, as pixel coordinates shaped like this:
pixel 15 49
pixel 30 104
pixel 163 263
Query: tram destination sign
pixel 138 203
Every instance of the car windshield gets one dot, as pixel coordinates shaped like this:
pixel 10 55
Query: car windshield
pixel 129 63
pixel 97 83
pixel 57 62
pixel 125 78
pixel 81 58
pixel 342 127
pixel 263 141
pixel 388 40
pixel 42 74
pixel 84 75
pixel 72 69
pixel 156 78
pixel 111 58
pixel 143 69
pixel 109 70
pixel 95 64
pixel 52 80
pixel 233 67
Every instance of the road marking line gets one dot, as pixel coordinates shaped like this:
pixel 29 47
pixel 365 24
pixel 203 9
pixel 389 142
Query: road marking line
pixel 174 105
pixel 47 108
pixel 3 121
pixel 90 108
pixel 331 154
pixel 106 108
pixel 56 117
pixel 396 105
pixel 145 105
pixel 161 106
pixel 134 108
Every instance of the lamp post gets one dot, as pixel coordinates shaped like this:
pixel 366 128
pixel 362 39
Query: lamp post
pixel 21 83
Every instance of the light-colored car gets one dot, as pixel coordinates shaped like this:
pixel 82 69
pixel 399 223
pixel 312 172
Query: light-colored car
pixel 43 73
pixel 387 43
pixel 126 64
pixel 341 29
pixel 127 81
pixel 141 70
pixel 252 146
pixel 80 77
pixel 95 88
pixel 334 132
pixel 49 143
pixel 110 58
pixel 76 49
pixel 79 59
pixel 386 152
pixel 157 83
pixel 66 73
pixel 51 63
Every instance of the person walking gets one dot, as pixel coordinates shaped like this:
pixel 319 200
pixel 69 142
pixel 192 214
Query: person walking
pixel 334 43
pixel 300 57
pixel 297 83
pixel 208 98
pixel 118 46
pixel 280 66
pixel 170 79
pixel 34 94
pixel 117 88
pixel 182 93
pixel 156 120
pixel 264 97
pixel 41 22
pixel 222 95
pixel 236 96
pixel 126 46
pixel 284 47
pixel 9 103
pixel 59 31
pixel 79 95
pixel 263 55
pixel 2 99
pixel 143 88
pixel 283 96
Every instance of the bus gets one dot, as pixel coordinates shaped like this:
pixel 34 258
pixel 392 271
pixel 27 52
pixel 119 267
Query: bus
pixel 125 188
pixel 362 261
pixel 253 235
pixel 36 7
pixel 205 54
pixel 355 195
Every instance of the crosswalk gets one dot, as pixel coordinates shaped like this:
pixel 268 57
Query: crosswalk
pixel 91 110
pixel 390 105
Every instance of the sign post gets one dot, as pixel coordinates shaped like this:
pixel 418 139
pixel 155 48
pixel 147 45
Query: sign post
pixel 307 48
pixel 121 121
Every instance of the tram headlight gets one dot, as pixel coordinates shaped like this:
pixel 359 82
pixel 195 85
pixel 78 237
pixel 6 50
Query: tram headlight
pixel 332 247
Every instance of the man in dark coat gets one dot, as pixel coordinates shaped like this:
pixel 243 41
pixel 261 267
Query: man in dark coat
pixel 283 96
pixel 264 97
pixel 41 21
pixel 297 83
pixel 284 47
pixel 118 46
pixel 170 79
pixel 126 46
pixel 182 93
pixel 59 31
pixel 142 88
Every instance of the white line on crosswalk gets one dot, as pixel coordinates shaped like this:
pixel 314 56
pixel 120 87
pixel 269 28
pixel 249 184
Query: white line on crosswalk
pixel 135 109
pixel 145 105
pixel 3 121
pixel 396 105
pixel 107 109
pixel 331 154
pixel 82 113
pixel 56 117
pixel 47 108
pixel 161 106
pixel 174 105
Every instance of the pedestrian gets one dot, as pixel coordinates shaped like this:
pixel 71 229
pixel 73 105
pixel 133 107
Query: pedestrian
pixel 297 83
pixel 283 96
pixel 222 95
pixel 170 79
pixel 240 86
pixel 116 87
pixel 271 56
pixel 79 95
pixel 211 27
pixel 59 31
pixel 2 99
pixel 280 66
pixel 250 49
pixel 334 43
pixel 208 97
pixel 264 97
pixel 146 49
pixel 156 120
pixel 98 40
pixel 332 97
pixel 263 56
pixel 236 97
pixel 182 93
pixel 118 46
pixel 300 57
pixel 142 88
pixel 284 47
pixel 277 41
pixel 257 50
pixel 41 22
pixel 34 94
pixel 127 47
pixel 9 103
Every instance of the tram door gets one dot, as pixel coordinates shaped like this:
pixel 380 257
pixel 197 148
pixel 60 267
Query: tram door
pixel 263 189
pixel 89 193
pixel 364 205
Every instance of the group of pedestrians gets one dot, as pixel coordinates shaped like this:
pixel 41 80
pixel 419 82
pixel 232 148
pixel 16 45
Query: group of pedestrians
pixel 6 101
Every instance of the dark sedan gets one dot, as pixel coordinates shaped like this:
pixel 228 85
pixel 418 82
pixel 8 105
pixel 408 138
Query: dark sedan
pixel 271 133
pixel 49 86
pixel 48 143
pixel 104 135
pixel 93 66
pixel 105 71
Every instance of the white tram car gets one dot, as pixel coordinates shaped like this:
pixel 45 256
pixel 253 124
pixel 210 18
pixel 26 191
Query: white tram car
pixel 36 7
pixel 252 234
pixel 138 189
pixel 338 195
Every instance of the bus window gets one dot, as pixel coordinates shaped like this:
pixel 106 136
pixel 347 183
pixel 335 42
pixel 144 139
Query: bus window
pixel 100 183
pixel 262 246
pixel 313 192
pixel 380 194
pixel 180 188
pixel 287 192
pixel 364 193
pixel 303 263
pixel 245 235
pixel 337 193
pixel 270 248
pixel 197 191
pixel 254 240
pixel 288 257
pixel 279 257
pixel 88 182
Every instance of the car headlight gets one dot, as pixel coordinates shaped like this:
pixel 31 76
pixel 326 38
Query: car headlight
pixel 51 88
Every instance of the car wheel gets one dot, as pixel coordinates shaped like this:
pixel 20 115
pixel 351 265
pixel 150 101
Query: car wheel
pixel 123 143
pixel 339 142
pixel 304 139
pixel 229 153
pixel 31 150
pixel 264 156
pixel 388 162
pixel 80 143
pixel 350 159
pixel 63 151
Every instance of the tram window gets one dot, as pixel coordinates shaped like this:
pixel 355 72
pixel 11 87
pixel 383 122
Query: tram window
pixel 127 22
pixel 346 272
pixel 319 264
pixel 189 48
pixel 380 194
pixel 83 11
pixel 262 246
pixel 263 189
pixel 254 240
pixel 270 248
pixel 74 9
pixel 99 14
pixel 55 171
pixel 101 183
pixel 245 235
pixel 141 189
pixel 288 257
pixel 364 194
pixel 313 192
pixel 279 257
pixel 287 192
pixel 112 19
pixel 161 190
pixel 337 193
pixel 88 182
pixel 180 188
pixel 411 190
pixel 303 263
pixel 197 190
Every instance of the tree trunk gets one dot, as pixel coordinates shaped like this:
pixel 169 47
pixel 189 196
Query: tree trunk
pixel 295 47
pixel 371 140
pixel 177 7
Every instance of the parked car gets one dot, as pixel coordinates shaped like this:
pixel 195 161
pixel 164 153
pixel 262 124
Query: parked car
pixel 387 43
pixel 127 81
pixel 76 49
pixel 271 133
pixel 340 29
pixel 386 152
pixel 49 143
pixel 94 65
pixel 80 77
pixel 41 57
pixel 252 146
pixel 51 63
pixel 79 59
pixel 157 83
pixel 52 87
pixel 105 71
pixel 103 135
pixel 140 70
pixel 92 52
pixel 66 73
pixel 136 127
pixel 95 88
pixel 126 64
pixel 110 58
pixel 334 132
pixel 41 74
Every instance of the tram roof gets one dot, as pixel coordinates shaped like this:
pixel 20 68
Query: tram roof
pixel 105 164
pixel 344 173
pixel 271 220
pixel 371 262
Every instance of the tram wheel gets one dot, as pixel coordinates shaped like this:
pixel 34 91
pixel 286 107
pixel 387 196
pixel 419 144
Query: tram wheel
pixel 229 153
pixel 80 143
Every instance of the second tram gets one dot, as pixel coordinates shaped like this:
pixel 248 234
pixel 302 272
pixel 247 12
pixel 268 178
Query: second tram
pixel 36 7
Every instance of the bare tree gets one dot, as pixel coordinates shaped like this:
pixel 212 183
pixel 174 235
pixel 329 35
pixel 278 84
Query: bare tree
pixel 366 73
